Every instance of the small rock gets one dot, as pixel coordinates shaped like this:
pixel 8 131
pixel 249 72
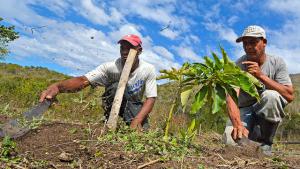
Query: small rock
pixel 65 157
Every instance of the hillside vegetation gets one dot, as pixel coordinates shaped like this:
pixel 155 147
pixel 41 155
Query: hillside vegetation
pixel 20 88
pixel 69 134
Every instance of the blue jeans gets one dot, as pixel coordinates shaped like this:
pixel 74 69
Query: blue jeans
pixel 263 117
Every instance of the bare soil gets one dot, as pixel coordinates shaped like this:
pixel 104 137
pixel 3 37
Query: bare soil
pixel 64 145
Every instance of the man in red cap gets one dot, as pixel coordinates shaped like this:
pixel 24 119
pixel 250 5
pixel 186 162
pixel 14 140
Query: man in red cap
pixel 142 82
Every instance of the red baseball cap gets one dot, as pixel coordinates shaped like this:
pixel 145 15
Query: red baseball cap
pixel 132 39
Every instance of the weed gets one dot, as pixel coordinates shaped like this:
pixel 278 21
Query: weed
pixel 8 149
pixel 149 142
pixel 201 166
pixel 39 164
pixel 279 163
pixel 73 130
pixel 31 124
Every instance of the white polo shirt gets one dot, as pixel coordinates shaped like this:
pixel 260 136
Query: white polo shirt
pixel 142 82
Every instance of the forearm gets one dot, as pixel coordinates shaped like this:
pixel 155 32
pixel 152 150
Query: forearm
pixel 72 85
pixel 146 109
pixel 238 131
pixel 285 91
pixel 233 111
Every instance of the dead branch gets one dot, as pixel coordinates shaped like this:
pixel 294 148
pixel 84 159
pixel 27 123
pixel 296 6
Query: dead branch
pixel 149 163
pixel 18 166
pixel 226 161
pixel 288 142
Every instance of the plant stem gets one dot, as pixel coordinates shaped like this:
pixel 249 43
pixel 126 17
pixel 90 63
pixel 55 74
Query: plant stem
pixel 169 119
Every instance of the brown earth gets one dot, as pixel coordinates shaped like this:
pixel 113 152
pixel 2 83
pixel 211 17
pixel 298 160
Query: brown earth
pixel 42 148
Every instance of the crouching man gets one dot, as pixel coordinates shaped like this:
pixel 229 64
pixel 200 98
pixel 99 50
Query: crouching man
pixel 259 120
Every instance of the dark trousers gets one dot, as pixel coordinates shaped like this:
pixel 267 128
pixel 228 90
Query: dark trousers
pixel 129 109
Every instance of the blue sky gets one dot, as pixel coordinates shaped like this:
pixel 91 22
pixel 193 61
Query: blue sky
pixel 75 36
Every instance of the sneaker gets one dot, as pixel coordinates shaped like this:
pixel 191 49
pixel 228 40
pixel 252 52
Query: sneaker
pixel 266 149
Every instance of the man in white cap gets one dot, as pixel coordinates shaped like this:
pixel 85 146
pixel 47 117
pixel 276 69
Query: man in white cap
pixel 142 82
pixel 264 116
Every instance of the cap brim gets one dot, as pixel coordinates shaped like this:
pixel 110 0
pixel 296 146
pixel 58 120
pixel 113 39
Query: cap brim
pixel 130 41
pixel 238 40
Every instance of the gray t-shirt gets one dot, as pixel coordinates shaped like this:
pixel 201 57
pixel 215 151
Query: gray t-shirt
pixel 274 67
pixel 141 82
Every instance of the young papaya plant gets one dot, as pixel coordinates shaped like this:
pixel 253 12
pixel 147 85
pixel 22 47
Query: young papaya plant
pixel 183 91
pixel 213 80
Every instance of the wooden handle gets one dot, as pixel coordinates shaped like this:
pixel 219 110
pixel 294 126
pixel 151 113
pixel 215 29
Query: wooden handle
pixel 114 113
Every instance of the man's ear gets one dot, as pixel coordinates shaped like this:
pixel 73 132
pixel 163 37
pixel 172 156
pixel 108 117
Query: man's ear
pixel 265 41
pixel 139 50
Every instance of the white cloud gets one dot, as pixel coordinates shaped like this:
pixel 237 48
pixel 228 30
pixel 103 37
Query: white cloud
pixel 157 60
pixel 291 6
pixel 187 54
pixel 116 34
pixel 153 10
pixel 214 21
pixel 15 11
pixel 77 46
pixel 189 40
pixel 171 34
pixel 242 6
pixel 163 52
pixel 58 7
pixel 285 41
pixel 69 45
pixel 290 56
pixel 160 12
pixel 224 33
pixel 97 14
pixel 232 20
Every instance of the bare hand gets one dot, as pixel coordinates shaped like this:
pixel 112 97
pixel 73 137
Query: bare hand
pixel 50 93
pixel 136 124
pixel 239 132
pixel 253 68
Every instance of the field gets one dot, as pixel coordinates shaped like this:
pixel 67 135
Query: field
pixel 69 134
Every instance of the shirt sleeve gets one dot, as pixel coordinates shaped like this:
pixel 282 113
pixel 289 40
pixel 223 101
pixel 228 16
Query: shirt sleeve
pixel 281 74
pixel 151 84
pixel 98 76
pixel 239 61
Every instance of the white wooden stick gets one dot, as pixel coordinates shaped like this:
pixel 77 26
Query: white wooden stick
pixel 114 113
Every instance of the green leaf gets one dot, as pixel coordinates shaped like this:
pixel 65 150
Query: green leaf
pixel 209 62
pixel 253 80
pixel 217 61
pixel 225 56
pixel 192 126
pixel 184 97
pixel 231 68
pixel 219 97
pixel 200 99
pixel 172 75
pixel 232 92
pixel 202 70
pixel 247 86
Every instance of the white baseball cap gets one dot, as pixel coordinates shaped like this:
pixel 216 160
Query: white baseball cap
pixel 252 31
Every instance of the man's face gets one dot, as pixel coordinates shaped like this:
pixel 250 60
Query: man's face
pixel 254 47
pixel 124 50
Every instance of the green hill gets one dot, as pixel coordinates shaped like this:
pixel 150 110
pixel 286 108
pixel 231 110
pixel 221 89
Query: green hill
pixel 20 88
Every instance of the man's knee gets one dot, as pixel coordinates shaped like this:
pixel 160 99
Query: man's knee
pixel 271 106
pixel 270 97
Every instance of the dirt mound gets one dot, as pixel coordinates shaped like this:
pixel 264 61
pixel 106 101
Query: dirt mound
pixel 64 145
